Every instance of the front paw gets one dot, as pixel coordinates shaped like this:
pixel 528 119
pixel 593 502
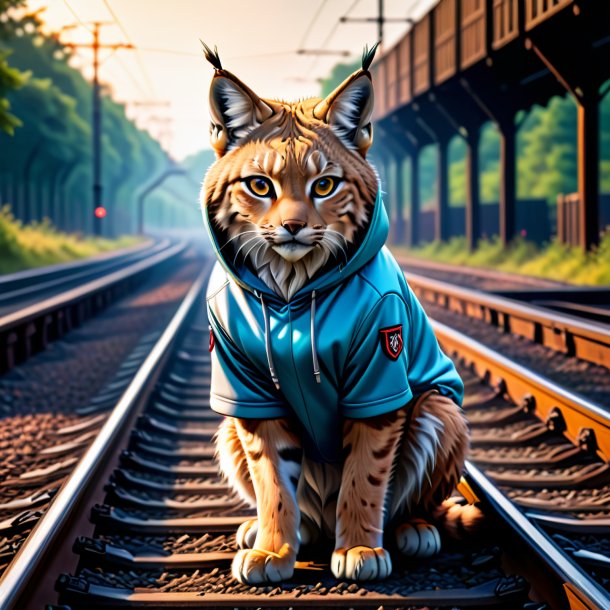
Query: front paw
pixel 361 563
pixel 418 538
pixel 257 566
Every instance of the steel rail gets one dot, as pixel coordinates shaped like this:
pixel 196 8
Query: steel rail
pixel 74 295
pixel 29 558
pixel 579 413
pixel 34 287
pixel 569 334
pixel 490 274
pixel 50 271
pixel 538 541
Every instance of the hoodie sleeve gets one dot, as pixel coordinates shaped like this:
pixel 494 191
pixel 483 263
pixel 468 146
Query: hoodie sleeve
pixel 375 379
pixel 429 367
pixel 393 357
pixel 237 388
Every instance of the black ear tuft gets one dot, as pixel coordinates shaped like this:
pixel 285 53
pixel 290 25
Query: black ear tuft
pixel 368 56
pixel 211 56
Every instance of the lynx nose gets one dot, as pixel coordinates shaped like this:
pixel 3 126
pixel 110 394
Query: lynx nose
pixel 293 226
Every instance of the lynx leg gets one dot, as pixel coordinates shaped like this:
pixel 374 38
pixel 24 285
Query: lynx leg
pixel 369 446
pixel 232 460
pixel 273 454
pixel 428 469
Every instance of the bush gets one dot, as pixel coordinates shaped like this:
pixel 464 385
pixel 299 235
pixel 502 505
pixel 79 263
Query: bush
pixel 39 244
pixel 554 261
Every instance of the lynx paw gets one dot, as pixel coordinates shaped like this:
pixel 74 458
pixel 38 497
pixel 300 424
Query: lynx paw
pixel 255 566
pixel 418 539
pixel 361 563
pixel 246 534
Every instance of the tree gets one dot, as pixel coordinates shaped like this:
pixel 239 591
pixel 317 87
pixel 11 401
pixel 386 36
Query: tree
pixel 10 78
pixel 49 157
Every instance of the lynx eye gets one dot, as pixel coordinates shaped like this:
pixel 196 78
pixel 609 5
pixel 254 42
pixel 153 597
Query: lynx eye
pixel 323 187
pixel 259 186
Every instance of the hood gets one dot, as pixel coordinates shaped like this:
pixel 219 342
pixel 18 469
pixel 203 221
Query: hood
pixel 372 242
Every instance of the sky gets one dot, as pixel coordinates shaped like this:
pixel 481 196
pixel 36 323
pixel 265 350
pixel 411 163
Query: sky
pixel 165 81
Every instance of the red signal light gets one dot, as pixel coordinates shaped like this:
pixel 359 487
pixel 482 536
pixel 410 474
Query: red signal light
pixel 100 212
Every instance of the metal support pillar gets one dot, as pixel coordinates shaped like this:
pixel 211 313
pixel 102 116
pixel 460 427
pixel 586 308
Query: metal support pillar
pixel 97 133
pixel 588 170
pixel 398 230
pixel 585 91
pixel 441 221
pixel 508 178
pixel 473 230
pixel 413 236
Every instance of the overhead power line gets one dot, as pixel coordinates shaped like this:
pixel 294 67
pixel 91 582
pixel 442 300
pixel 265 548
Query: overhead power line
pixel 329 36
pixel 311 24
pixel 75 15
pixel 123 29
pixel 380 20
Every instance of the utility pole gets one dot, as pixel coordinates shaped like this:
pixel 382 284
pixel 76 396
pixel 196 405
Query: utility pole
pixel 99 210
pixel 97 136
pixel 381 19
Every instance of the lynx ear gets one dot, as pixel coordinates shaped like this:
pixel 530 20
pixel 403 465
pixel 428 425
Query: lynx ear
pixel 349 108
pixel 234 108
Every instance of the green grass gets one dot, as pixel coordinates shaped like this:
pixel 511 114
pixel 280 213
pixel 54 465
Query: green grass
pixel 40 244
pixel 555 261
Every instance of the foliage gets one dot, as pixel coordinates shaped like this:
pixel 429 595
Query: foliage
pixel 38 244
pixel 555 261
pixel 10 78
pixel 49 156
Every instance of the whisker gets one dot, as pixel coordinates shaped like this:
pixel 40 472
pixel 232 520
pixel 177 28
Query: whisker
pixel 262 245
pixel 337 232
pixel 240 247
pixel 250 250
pixel 235 237
pixel 337 246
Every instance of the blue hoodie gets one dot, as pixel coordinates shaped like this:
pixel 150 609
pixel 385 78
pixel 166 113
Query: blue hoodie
pixel 353 343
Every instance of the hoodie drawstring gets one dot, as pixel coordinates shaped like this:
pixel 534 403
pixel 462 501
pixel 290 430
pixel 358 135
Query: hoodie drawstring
pixel 314 354
pixel 276 381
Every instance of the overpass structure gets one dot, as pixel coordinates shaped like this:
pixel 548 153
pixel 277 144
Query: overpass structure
pixel 467 62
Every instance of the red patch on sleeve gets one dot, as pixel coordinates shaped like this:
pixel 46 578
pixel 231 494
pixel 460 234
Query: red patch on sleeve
pixel 391 341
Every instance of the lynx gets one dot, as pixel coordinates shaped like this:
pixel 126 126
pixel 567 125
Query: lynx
pixel 342 412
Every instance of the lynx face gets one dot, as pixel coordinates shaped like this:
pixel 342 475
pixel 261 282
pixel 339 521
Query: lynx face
pixel 291 191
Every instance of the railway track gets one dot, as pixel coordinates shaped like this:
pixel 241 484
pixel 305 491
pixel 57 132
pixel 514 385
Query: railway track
pixel 489 280
pixel 546 452
pixel 584 302
pixel 571 335
pixel 40 306
pixel 23 287
pixel 152 524
pixel 54 405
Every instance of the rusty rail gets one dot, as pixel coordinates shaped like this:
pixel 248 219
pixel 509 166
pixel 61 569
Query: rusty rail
pixel 567 334
pixel 49 528
pixel 585 424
